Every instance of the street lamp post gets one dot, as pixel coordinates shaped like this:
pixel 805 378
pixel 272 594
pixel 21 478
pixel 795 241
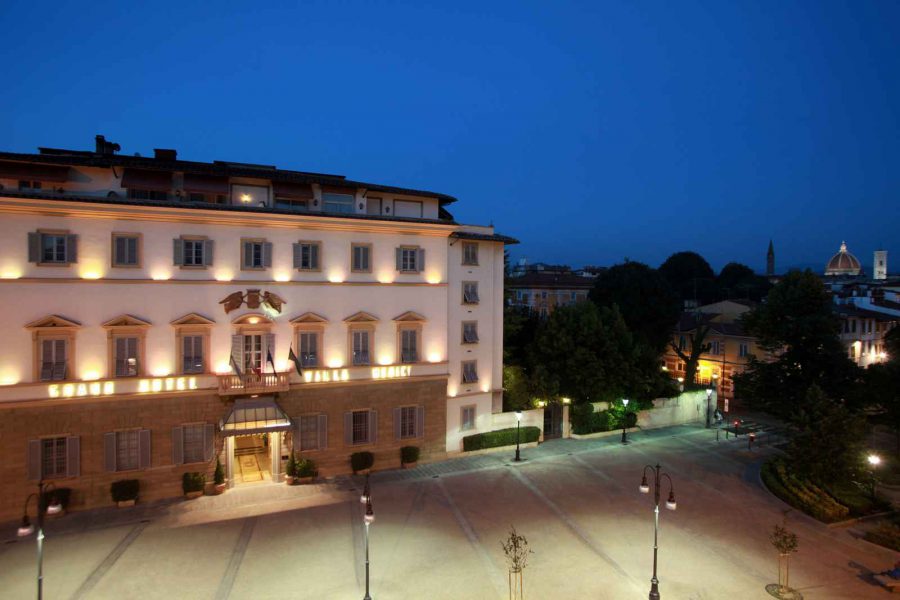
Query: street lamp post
pixel 670 504
pixel 26 528
pixel 874 461
pixel 518 428
pixel 368 519
pixel 708 397
pixel 624 420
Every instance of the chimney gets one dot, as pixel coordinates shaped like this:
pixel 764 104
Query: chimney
pixel 103 147
pixel 165 154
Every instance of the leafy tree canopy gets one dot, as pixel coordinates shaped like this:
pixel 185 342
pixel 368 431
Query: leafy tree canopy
pixel 691 277
pixel 645 300
pixel 739 281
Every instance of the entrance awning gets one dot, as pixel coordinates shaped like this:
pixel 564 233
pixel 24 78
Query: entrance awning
pixel 255 415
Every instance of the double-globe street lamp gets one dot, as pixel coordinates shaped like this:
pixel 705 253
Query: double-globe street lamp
pixel 624 420
pixel 670 504
pixel 368 519
pixel 26 528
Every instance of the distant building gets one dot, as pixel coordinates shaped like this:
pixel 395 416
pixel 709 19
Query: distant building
pixel 770 260
pixel 879 266
pixel 843 264
pixel 868 311
pixel 544 290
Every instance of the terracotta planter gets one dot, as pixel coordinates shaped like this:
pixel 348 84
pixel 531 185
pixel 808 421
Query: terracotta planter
pixel 218 488
pixel 290 479
pixel 193 495
pixel 126 503
pixel 303 480
pixel 363 472
pixel 409 465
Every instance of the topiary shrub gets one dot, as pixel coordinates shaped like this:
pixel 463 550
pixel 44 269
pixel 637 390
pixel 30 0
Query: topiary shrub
pixel 601 421
pixel 219 475
pixel 306 468
pixel 124 490
pixel 500 437
pixel 582 416
pixel 291 469
pixel 409 454
pixel 193 482
pixel 360 461
pixel 631 419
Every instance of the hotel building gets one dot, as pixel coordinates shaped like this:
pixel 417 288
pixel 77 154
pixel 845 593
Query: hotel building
pixel 151 306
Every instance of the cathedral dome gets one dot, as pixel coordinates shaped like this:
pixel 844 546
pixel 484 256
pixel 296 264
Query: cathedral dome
pixel 843 263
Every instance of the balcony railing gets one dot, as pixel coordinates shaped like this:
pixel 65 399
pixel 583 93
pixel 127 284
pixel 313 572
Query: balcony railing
pixel 251 383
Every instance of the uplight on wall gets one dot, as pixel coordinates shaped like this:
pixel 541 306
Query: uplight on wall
pixel 336 276
pixel 10 273
pixel 433 278
pixel 224 275
pixel 161 275
pixel 386 277
pixel 9 378
pixel 282 277
pixel 223 367
pixel 91 375
pixel 385 359
pixel 335 363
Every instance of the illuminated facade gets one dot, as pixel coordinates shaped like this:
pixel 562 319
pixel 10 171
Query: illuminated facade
pixel 158 313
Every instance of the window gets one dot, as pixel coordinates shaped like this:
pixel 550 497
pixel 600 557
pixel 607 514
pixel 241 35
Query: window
pixel 409 344
pixel 360 430
pixel 25 185
pixel 126 353
pixel 125 249
pixel 158 195
pixel 309 432
pixel 470 371
pixel 306 256
pixel 470 253
pixel 410 259
pixel 193 252
pixel 717 347
pixel 256 254
pixel 360 347
pixel 309 348
pixel 853 325
pixel 52 248
pixel 53 458
pixel 373 206
pixel 360 258
pixel 127 450
pixel 53 360
pixel 209 198
pixel 467 418
pixel 193 443
pixel 470 332
pixel 192 354
pixel 337 203
pixel 297 204
pixel 408 416
pixel 408 208
pixel 253 353
pixel 470 292
pixel 743 349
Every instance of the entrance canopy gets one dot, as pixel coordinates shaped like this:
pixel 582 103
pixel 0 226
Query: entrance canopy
pixel 255 415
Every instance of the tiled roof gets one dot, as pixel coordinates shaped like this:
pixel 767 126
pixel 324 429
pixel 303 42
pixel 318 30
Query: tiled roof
pixel 484 237
pixel 562 281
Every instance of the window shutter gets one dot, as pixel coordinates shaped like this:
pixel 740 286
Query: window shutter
pixel 267 254
pixel 178 252
pixel 397 432
pixel 132 244
pixel 34 460
pixel 420 260
pixel 314 256
pixel 297 256
pixel 246 254
pixel 398 254
pixel 348 429
pixel 34 247
pixel 71 248
pixel 120 250
pixel 109 451
pixel 323 431
pixel 207 253
pixel 73 456
pixel 144 449
pixel 373 426
pixel 177 446
pixel 237 350
pixel 209 440
pixel 420 421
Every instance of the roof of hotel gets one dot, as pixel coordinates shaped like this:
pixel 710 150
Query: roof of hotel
pixel 53 156
pixel 484 237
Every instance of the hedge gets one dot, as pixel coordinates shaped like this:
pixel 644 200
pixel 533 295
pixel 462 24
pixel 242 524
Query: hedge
pixel 885 534
pixel 193 482
pixel 802 494
pixel 500 437
pixel 360 461
pixel 124 490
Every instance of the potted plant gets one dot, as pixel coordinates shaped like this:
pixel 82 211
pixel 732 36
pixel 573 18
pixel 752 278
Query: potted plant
pixel 516 549
pixel 361 462
pixel 290 471
pixel 124 492
pixel 306 470
pixel 409 456
pixel 219 477
pixel 192 484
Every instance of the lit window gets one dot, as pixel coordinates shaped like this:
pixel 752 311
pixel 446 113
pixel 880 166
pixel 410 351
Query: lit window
pixel 126 356
pixel 470 371
pixel 309 345
pixel 360 348
pixel 409 345
pixel 192 354
pixel 470 292
pixel 467 418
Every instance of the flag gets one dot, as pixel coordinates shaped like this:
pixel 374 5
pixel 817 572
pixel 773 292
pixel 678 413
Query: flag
pixel 237 369
pixel 293 358
pixel 269 358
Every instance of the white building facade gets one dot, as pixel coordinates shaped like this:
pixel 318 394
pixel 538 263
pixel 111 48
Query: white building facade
pixel 162 314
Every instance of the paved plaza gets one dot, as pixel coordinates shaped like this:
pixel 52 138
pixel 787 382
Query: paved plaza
pixel 438 529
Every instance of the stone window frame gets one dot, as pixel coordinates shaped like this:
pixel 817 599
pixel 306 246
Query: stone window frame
pixel 361 321
pixel 207 257
pixel 466 259
pixel 462 417
pixel 192 324
pixel 409 321
pixel 298 266
pixel 463 332
pixel 70 239
pixel 353 247
pixel 265 252
pixel 462 371
pixel 310 322
pixel 126 326
pixel 53 327
pixel 139 248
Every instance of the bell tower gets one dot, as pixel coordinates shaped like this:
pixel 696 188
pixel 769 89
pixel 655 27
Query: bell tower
pixel 770 260
pixel 879 267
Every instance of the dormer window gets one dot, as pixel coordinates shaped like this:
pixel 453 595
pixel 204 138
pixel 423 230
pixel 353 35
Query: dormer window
pixel 337 203
pixel 147 185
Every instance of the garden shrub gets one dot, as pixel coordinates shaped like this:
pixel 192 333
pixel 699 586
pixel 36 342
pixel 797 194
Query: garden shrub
pixel 409 454
pixel 500 437
pixel 582 416
pixel 885 534
pixel 219 475
pixel 631 419
pixel 802 494
pixel 193 482
pixel 601 421
pixel 291 468
pixel 124 490
pixel 360 461
pixel 306 468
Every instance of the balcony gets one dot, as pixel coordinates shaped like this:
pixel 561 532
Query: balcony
pixel 251 383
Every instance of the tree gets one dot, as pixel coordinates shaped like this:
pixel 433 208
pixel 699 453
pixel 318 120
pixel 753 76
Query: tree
pixel 691 277
pixel 519 328
pixel 739 281
pixel 827 446
pixel 797 326
pixel 517 393
pixel 882 392
pixel 691 358
pixel 892 345
pixel 644 298
pixel 786 543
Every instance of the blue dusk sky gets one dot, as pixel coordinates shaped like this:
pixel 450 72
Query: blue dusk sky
pixel 591 131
